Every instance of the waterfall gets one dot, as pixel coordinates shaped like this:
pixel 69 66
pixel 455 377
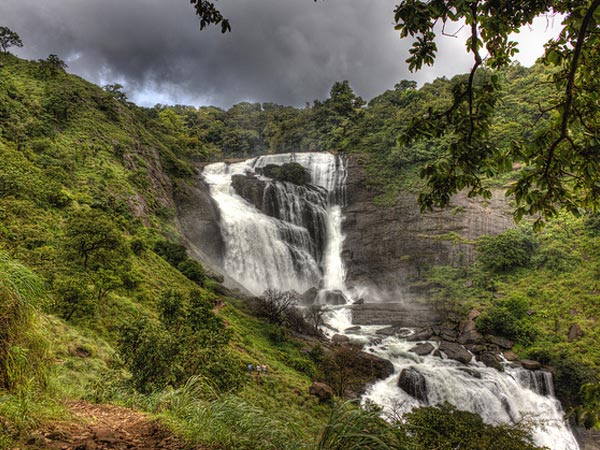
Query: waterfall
pixel 290 238
pixel 285 236
pixel 511 396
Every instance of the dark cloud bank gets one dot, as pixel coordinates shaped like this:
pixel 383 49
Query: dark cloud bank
pixel 284 51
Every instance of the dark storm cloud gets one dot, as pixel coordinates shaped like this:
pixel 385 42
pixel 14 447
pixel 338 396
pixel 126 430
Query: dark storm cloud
pixel 285 51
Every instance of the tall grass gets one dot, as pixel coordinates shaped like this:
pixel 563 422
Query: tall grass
pixel 226 422
pixel 23 352
pixel 351 427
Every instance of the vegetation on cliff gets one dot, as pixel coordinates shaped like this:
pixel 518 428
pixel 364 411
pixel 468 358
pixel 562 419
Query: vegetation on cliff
pixel 100 301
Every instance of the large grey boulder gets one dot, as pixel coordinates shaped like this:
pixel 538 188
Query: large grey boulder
pixel 334 297
pixel 455 351
pixel 422 349
pixel 501 342
pixel 310 296
pixel 413 383
pixel 491 360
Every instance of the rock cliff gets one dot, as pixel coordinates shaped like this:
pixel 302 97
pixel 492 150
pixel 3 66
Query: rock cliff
pixel 387 248
pixel 198 220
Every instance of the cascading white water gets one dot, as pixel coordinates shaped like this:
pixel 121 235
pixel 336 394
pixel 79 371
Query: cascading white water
pixel 285 251
pixel 298 245
pixel 509 397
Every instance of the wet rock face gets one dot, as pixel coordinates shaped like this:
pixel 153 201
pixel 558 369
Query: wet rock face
pixel 198 218
pixel 398 314
pixel 413 383
pixel 387 247
pixel 530 365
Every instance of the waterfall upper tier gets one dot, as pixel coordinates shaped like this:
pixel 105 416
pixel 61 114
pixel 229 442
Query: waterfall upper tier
pixel 279 234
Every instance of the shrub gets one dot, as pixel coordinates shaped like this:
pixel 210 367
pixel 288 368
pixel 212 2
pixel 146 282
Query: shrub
pixel 193 270
pixel 173 253
pixel 445 427
pixel 508 318
pixel 150 353
pixel 276 305
pixel 506 251
pixel 73 296
pixel 189 340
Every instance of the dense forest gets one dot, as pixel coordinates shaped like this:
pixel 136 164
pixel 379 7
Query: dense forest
pixel 100 301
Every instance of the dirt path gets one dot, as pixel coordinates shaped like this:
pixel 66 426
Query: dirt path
pixel 99 427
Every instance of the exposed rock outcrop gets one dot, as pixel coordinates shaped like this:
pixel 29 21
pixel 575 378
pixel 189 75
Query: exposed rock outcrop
pixel 575 332
pixel 321 390
pixel 198 218
pixel 387 247
pixel 491 360
pixel 399 314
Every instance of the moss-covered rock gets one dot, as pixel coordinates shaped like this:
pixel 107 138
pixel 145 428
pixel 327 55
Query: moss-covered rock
pixel 290 172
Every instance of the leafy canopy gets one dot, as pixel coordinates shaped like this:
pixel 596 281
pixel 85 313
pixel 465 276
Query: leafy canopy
pixel 9 38
pixel 560 159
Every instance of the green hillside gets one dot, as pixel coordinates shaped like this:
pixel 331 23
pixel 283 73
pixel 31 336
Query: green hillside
pixel 100 302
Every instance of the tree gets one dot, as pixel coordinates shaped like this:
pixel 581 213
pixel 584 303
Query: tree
pixel 274 305
pixel 93 239
pixel 210 15
pixel 116 90
pixel 314 316
pixel 53 64
pixel 9 38
pixel 561 164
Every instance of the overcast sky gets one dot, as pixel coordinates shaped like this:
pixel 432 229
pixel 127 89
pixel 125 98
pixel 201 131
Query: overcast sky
pixel 283 51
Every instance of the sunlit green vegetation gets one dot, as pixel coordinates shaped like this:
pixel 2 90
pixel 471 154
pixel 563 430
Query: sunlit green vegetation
pixel 96 288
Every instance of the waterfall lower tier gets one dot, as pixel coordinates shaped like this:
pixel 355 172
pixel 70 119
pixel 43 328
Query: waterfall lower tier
pixel 513 396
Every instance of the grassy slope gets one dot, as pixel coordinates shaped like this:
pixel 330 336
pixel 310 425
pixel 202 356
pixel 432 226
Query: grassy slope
pixel 66 145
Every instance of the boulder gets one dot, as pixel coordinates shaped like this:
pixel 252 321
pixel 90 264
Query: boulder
pixel 491 360
pixel 360 301
pixel 501 342
pixel 530 364
pixel 510 355
pixel 320 390
pixel 373 367
pixel 413 383
pixel 472 372
pixel 335 298
pixel 455 351
pixel 575 332
pixel 395 331
pixel 310 296
pixel 471 337
pixel 422 334
pixel 353 329
pixel 340 339
pixel 466 326
pixel 476 349
pixel 474 314
pixel 214 275
pixel 422 349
